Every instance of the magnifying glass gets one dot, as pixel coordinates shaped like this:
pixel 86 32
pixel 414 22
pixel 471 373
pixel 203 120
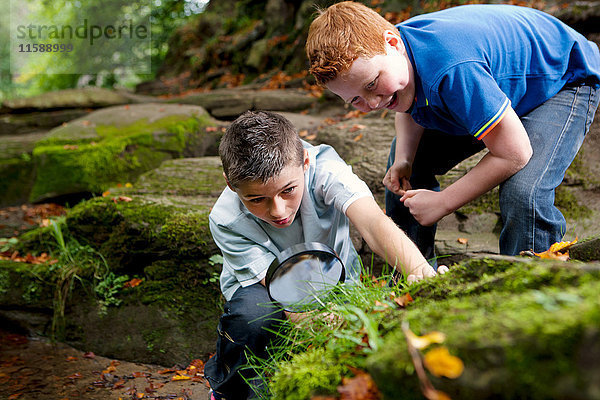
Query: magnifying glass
pixel 302 275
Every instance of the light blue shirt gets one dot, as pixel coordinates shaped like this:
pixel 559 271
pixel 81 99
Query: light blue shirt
pixel 249 245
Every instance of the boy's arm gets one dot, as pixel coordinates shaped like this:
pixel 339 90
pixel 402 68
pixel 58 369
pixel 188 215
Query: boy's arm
pixel 386 239
pixel 408 136
pixel 509 151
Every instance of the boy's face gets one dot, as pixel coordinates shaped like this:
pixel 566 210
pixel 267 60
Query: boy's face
pixel 383 81
pixel 277 201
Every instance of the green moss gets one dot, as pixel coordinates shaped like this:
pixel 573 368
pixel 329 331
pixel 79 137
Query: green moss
pixel 26 285
pixel 567 203
pixel 521 345
pixel 190 231
pixel 114 154
pixel 17 180
pixel 308 374
pixel 488 202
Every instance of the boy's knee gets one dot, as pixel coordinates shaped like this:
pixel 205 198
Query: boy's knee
pixel 253 310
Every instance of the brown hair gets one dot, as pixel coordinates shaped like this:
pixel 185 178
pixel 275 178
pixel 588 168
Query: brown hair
pixel 341 34
pixel 257 146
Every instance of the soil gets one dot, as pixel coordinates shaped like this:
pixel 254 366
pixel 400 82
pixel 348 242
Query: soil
pixel 36 369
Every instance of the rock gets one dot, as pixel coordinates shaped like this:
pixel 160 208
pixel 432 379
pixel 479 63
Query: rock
pixel 11 124
pixel 230 103
pixel 88 97
pixel 364 143
pixel 117 144
pixel 157 231
pixel 522 328
pixel 16 167
pixel 586 251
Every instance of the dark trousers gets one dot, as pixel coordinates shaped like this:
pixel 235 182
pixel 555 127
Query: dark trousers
pixel 437 153
pixel 245 326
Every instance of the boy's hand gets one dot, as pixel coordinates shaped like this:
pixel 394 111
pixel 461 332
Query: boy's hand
pixel 425 273
pixel 427 206
pixel 396 178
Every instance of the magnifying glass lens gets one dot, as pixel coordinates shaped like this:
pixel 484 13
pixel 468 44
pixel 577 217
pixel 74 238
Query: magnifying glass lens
pixel 303 279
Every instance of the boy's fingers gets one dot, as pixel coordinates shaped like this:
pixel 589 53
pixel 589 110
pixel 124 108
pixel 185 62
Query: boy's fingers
pixel 413 278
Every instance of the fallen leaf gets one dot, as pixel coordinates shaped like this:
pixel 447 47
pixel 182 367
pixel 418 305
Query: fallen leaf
pixel 360 387
pixel 211 129
pixel 105 194
pixel 462 240
pixel 358 137
pixel 71 358
pixel 557 251
pixel 166 371
pixel 403 300
pixel 76 375
pixel 128 185
pixel 303 133
pixel 357 127
pixel 421 342
pixel 70 147
pixel 180 378
pixel 133 283
pixel 311 137
pixel 440 362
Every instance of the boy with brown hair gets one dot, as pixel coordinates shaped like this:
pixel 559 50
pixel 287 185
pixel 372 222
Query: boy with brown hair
pixel 282 192
pixel 511 79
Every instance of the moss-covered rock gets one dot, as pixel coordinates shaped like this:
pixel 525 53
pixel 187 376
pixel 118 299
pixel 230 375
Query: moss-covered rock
pixel 116 145
pixel 523 330
pixel 155 230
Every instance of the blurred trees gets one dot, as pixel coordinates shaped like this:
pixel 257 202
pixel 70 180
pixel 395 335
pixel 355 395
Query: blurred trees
pixel 105 63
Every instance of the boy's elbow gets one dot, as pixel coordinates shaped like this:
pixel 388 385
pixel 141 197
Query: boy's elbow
pixel 522 158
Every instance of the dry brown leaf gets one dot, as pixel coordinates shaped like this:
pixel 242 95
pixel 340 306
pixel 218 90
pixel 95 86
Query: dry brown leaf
pixel 360 387
pixel 358 137
pixel 462 240
pixel 403 300
pixel 132 283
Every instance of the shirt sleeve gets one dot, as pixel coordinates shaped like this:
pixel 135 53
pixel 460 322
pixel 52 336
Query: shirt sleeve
pixel 335 182
pixel 472 98
pixel 244 258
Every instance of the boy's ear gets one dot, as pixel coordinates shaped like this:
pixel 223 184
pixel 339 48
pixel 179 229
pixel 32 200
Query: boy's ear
pixel 306 160
pixel 393 39
pixel 228 184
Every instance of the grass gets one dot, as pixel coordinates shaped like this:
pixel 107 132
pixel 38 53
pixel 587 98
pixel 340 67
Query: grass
pixel 331 341
pixel 76 263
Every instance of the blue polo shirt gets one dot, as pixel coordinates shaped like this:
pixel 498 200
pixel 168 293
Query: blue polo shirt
pixel 473 62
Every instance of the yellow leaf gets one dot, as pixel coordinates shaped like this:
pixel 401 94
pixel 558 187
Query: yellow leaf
pixel 440 362
pixel 558 251
pixel 128 185
pixel 421 342
pixel 560 246
pixel 180 378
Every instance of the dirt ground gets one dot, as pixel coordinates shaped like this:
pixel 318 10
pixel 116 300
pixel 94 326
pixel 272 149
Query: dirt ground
pixel 35 369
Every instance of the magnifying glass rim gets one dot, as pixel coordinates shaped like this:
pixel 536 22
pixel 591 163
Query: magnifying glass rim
pixel 297 250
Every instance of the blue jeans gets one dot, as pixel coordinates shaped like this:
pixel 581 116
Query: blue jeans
pixel 530 219
pixel 247 324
